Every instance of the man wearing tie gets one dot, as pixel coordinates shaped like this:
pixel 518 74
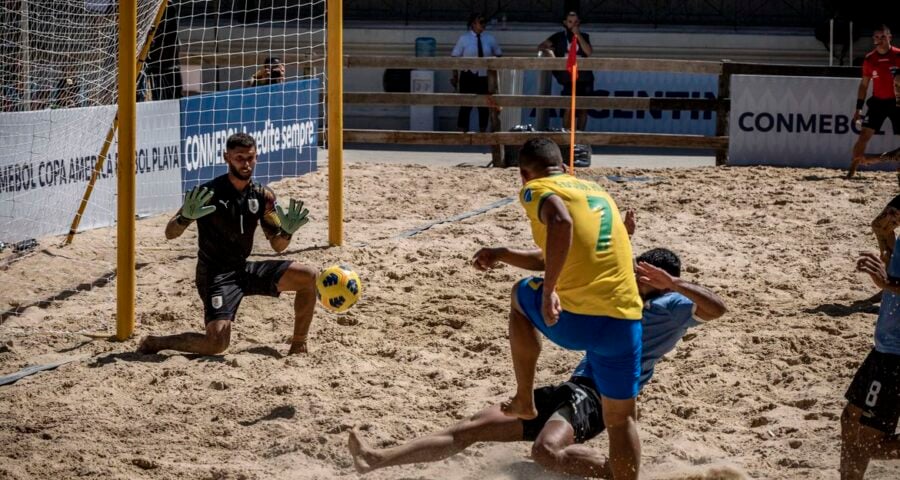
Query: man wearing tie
pixel 474 43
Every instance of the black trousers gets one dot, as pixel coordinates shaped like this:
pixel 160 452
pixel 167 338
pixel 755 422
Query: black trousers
pixel 472 83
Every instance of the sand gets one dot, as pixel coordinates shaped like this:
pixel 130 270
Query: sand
pixel 757 393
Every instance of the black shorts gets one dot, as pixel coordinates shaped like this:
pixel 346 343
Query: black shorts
pixel 579 404
pixel 876 390
pixel 222 292
pixel 581 89
pixel 894 203
pixel 879 110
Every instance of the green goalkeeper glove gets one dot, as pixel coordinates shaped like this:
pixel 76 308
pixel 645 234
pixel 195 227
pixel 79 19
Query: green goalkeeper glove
pixel 195 204
pixel 295 217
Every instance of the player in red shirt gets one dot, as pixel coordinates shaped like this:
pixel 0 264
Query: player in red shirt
pixel 881 66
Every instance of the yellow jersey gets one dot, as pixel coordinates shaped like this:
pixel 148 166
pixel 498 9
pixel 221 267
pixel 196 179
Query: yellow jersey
pixel 597 277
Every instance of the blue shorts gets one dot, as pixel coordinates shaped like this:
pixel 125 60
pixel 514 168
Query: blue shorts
pixel 612 345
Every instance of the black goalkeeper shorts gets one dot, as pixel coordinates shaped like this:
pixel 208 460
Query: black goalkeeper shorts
pixel 222 292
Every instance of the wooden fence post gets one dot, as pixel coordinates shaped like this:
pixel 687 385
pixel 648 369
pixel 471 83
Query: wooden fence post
pixel 497 156
pixel 723 110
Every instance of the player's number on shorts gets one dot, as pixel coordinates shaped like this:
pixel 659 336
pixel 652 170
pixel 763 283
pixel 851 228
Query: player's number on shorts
pixel 872 397
pixel 604 236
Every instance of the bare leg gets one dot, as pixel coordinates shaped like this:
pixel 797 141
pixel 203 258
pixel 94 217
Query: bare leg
pixel 216 340
pixel 859 150
pixel 488 425
pixel 888 448
pixel 555 450
pixel 581 119
pixel 858 443
pixel 567 119
pixel 624 443
pixel 301 279
pixel 525 346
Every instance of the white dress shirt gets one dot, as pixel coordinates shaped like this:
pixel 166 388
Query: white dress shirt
pixel 467 46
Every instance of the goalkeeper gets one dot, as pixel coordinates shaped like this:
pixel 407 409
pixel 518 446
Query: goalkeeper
pixel 227 211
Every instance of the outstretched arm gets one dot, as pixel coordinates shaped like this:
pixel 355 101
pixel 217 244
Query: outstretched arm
pixel 194 207
pixel 488 258
pixel 176 226
pixel 861 92
pixel 279 225
pixel 883 226
pixel 709 305
pixel 871 264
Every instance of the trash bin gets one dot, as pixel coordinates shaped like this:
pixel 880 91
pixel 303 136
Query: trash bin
pixel 396 80
pixel 426 47
pixel 421 117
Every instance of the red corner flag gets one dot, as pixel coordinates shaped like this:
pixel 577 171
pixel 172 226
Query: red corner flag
pixel 572 59
pixel 572 67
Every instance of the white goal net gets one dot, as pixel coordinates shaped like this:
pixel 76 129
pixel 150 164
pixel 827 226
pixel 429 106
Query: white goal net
pixel 213 68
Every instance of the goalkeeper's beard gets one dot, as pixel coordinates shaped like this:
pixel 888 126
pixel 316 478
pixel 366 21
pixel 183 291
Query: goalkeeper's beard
pixel 237 173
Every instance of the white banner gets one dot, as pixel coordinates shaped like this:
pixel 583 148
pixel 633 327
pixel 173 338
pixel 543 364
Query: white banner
pixel 46 160
pixel 797 122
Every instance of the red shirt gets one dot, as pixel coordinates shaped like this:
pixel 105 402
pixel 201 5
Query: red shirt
pixel 878 67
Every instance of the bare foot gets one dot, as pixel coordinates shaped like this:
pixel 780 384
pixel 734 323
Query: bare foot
pixel 146 346
pixel 851 172
pixel 297 348
pixel 363 458
pixel 519 408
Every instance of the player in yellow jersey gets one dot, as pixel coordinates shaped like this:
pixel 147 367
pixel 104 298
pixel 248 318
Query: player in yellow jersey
pixel 588 299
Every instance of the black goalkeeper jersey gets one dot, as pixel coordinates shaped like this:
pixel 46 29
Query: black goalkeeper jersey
pixel 226 235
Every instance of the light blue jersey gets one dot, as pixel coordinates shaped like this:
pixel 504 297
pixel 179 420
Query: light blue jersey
pixel 887 330
pixel 665 319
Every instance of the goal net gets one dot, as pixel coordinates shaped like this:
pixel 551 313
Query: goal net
pixel 211 69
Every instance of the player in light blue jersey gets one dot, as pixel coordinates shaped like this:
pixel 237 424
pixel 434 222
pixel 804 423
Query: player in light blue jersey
pixel 569 413
pixel 671 306
pixel 869 421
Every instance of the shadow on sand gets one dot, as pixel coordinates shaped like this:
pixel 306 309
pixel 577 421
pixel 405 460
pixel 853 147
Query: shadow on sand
pixel 285 412
pixel 869 305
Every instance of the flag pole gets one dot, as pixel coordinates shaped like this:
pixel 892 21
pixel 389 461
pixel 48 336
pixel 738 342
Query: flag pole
pixel 572 122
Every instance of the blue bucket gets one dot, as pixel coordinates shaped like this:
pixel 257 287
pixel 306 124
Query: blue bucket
pixel 426 47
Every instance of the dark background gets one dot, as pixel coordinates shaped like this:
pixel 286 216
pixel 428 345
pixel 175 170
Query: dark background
pixel 654 13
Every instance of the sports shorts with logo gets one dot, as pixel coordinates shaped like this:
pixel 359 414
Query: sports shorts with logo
pixel 876 390
pixel 612 345
pixel 575 401
pixel 222 292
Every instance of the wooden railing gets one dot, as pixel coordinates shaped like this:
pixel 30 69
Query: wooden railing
pixel 721 105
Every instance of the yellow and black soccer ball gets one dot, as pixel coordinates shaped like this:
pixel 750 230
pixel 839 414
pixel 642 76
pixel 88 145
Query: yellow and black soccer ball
pixel 338 288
